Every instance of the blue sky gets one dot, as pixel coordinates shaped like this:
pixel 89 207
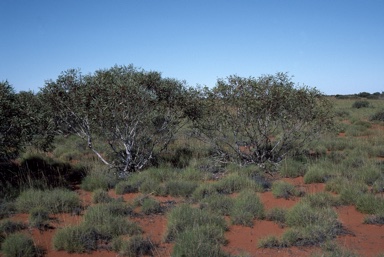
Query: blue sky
pixel 336 46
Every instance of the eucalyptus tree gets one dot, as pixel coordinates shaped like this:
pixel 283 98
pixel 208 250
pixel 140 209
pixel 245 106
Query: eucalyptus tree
pixel 134 112
pixel 261 120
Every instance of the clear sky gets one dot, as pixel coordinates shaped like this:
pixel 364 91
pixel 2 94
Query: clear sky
pixel 336 46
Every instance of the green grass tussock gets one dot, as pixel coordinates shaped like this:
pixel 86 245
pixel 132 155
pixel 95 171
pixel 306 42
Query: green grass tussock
pixel 247 207
pixel 17 245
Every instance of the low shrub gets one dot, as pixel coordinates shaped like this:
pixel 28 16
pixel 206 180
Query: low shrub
pixel 126 187
pixel 8 227
pixel 376 219
pixel 204 240
pixel 150 206
pixel 220 204
pixel 76 239
pixel 317 174
pixel 39 217
pixel 101 196
pixel 136 246
pixel 277 215
pixel 17 245
pixel 109 222
pixel 234 182
pixel 269 242
pixel 282 189
pixel 247 207
pixel 180 187
pixel 55 201
pixel 360 104
pixel 378 116
pixel 321 199
pixel 184 217
pixel 99 180
pixel 369 204
pixel 203 191
pixel 291 168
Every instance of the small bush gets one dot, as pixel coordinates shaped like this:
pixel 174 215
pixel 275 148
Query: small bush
pixel 101 196
pixel 360 104
pixel 350 192
pixel 151 206
pixel 220 204
pixel 369 204
pixel 282 189
pixel 204 240
pixel 331 249
pixel 55 201
pixel 204 191
pixel 39 217
pixel 292 168
pixel 126 187
pixel 180 187
pixel 321 199
pixel 269 242
pixel 234 183
pixel 136 246
pixel 8 227
pixel 184 218
pixel 376 219
pixel 17 245
pixel 99 180
pixel 109 222
pixel 317 174
pixel 246 208
pixel 277 215
pixel 76 239
pixel 378 116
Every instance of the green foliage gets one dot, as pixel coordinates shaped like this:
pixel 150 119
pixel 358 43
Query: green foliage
pixel 370 204
pixel 109 222
pixel 180 187
pixel 378 116
pixel 282 189
pixel 98 180
pixel 55 201
pixel 184 218
pixel 76 239
pixel 203 191
pixel 269 242
pixel 235 182
pixel 204 240
pixel 39 217
pixel 276 214
pixel 317 174
pixel 360 104
pixel 217 203
pixel 101 196
pixel 291 168
pixel 247 207
pixel 249 120
pixel 141 112
pixel 321 200
pixel 350 192
pixel 17 245
pixel 331 249
pixel 126 187
pixel 376 219
pixel 150 206
pixel 136 246
pixel 8 227
pixel 310 226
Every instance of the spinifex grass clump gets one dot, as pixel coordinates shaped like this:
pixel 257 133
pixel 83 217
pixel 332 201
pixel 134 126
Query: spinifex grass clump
pixel 291 168
pixel 184 218
pixel 205 240
pixel 55 201
pixel 246 208
pixel 307 226
pixel 180 187
pixel 282 189
pixel 220 204
pixel 134 246
pixel 101 196
pixel 150 205
pixel 236 182
pixel 8 227
pixel 321 200
pixel 39 217
pixel 19 245
pixel 277 215
pixel 101 222
pixel 99 179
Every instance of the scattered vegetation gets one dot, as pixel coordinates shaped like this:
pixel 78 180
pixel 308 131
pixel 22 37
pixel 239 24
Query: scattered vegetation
pixel 282 189
pixel 19 245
